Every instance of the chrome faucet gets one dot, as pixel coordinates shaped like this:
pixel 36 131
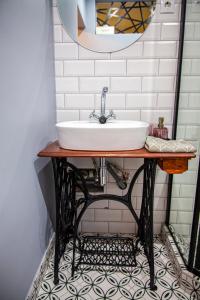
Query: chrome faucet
pixel 102 118
pixel 103 101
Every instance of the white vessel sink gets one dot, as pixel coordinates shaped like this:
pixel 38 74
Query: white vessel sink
pixel 90 135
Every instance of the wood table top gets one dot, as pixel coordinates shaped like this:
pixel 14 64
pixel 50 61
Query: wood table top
pixel 54 150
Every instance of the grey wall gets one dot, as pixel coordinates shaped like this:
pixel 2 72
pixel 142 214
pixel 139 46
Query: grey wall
pixel 27 117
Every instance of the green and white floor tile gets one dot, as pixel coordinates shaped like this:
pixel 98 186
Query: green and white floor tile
pixel 112 284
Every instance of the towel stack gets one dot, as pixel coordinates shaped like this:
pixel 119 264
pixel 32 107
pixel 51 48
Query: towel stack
pixel 154 144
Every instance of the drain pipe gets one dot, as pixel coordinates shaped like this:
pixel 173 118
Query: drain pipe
pixel 102 171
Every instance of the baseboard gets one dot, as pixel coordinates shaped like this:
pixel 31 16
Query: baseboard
pixel 37 280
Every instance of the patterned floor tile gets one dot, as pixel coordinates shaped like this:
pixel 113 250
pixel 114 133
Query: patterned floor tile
pixel 112 284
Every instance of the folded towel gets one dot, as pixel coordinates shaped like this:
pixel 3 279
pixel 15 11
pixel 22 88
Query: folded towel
pixel 154 144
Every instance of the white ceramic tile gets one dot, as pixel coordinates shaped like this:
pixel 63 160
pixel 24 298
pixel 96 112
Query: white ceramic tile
pixel 193 164
pixel 116 205
pixel 141 100
pixel 88 215
pixel 137 191
pixel 182 204
pixel 188 177
pixel 65 37
pixel 128 115
pixel 159 17
pixel 152 32
pixel 158 84
pixel 157 228
pixel 161 176
pixel 192 12
pixel 170 31
pixel 182 229
pixel 79 68
pixel 108 215
pixel 132 51
pixel 121 227
pixel 100 204
pixel 58 68
pixel 187 190
pixel 133 163
pixel 190 117
pixel 87 54
pixel 110 67
pixel 180 132
pixel 195 69
pixel 153 115
pixel 168 67
pixel 79 101
pixel 165 100
pixel 93 84
pixel 67 115
pixel 159 217
pixel 183 100
pixel 101 227
pixel 66 51
pixel 66 84
pixel 82 163
pixel 127 217
pixel 125 84
pixel 60 102
pixel 84 114
pixel 159 203
pixel 56 17
pixel 192 132
pixel 186 66
pixel 191 49
pixel 160 49
pixel 58 34
pixel 173 216
pixel 112 188
pixel 139 67
pixel 194 100
pixel 197 31
pixel 113 101
pixel 189 31
pixel 160 190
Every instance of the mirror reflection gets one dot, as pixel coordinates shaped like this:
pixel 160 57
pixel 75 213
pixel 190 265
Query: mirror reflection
pixel 123 17
pixel 104 25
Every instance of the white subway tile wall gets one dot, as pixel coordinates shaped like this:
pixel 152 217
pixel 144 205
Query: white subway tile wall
pixel 184 185
pixel 141 81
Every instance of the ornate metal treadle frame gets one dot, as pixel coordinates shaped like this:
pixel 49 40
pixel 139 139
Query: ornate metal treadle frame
pixel 67 180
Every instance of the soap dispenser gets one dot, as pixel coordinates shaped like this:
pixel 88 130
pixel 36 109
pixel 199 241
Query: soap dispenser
pixel 161 131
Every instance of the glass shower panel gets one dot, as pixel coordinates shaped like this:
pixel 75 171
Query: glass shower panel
pixel 188 128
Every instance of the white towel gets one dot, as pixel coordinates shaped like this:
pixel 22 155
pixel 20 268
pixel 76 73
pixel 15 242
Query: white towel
pixel 154 144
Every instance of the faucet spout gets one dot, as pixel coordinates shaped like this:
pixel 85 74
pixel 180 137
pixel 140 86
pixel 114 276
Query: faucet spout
pixel 102 118
pixel 103 101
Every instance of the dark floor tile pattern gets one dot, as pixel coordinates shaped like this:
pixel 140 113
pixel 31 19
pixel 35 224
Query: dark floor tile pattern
pixel 114 284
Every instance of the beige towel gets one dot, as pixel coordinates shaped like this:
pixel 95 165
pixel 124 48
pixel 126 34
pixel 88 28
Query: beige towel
pixel 154 144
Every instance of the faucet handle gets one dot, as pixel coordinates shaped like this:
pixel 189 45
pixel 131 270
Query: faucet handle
pixel 92 114
pixel 112 114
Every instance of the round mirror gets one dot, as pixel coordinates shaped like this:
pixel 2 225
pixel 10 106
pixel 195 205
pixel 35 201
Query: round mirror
pixel 104 25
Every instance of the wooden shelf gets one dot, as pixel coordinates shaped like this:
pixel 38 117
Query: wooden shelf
pixel 54 150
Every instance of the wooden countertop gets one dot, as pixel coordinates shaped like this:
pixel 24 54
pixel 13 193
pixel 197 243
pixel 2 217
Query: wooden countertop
pixel 54 150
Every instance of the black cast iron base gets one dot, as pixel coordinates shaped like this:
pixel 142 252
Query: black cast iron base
pixel 117 251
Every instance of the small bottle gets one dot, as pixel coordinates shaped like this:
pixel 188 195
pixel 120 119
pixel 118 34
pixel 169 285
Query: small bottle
pixel 161 131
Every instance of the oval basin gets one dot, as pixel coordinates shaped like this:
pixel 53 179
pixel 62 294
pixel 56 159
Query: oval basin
pixel 90 135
